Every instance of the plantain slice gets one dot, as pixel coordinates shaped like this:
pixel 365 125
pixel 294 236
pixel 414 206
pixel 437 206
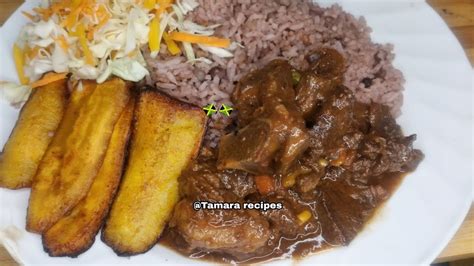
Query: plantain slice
pixel 76 153
pixel 167 136
pixel 34 130
pixel 75 233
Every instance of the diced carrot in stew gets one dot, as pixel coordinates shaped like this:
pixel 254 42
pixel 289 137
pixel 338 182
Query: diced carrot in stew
pixel 265 184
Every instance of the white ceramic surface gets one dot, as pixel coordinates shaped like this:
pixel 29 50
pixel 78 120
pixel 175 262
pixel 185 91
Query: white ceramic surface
pixel 423 214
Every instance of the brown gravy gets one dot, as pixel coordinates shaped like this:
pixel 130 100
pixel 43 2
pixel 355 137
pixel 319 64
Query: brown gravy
pixel 295 248
pixel 306 144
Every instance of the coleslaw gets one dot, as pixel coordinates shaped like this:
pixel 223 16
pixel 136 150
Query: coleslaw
pixel 94 39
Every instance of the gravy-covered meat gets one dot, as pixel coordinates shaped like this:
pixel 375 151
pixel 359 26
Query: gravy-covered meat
pixel 272 132
pixel 325 73
pixel 203 181
pixel 232 231
pixel 305 143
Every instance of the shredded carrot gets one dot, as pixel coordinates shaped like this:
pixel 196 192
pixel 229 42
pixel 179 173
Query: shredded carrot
pixel 76 4
pixel 149 4
pixel 48 78
pixel 105 18
pixel 264 184
pixel 164 4
pixel 90 34
pixel 154 40
pixel 173 48
pixel 81 34
pixel 205 40
pixel 70 20
pixel 155 34
pixel 88 10
pixel 73 17
pixel 28 15
pixel 102 11
pixel 19 58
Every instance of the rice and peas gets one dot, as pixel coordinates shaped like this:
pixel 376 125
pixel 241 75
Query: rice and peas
pixel 273 29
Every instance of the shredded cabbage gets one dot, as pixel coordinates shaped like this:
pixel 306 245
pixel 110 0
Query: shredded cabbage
pixel 115 33
pixel 217 51
pixel 188 50
pixel 59 60
pixel 187 5
pixel 14 93
pixel 125 68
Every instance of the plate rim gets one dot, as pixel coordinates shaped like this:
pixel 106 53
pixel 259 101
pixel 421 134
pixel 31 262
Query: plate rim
pixel 429 258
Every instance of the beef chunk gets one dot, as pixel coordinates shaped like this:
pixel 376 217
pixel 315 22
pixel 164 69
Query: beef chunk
pixel 230 231
pixel 272 132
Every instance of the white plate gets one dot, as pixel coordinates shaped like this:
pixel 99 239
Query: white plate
pixel 422 215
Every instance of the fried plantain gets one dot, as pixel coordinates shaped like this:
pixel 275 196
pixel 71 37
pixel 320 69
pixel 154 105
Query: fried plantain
pixel 167 135
pixel 76 153
pixel 34 130
pixel 75 233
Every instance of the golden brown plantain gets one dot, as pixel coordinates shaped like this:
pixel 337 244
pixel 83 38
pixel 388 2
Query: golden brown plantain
pixel 75 233
pixel 76 154
pixel 34 130
pixel 167 135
